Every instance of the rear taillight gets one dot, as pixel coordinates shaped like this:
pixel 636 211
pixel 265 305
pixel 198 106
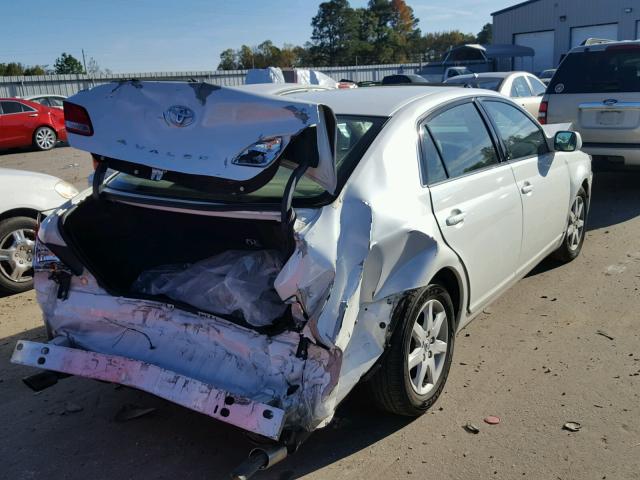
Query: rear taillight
pixel 542 112
pixel 76 120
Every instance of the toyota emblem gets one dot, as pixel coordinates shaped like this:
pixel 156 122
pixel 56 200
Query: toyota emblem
pixel 179 116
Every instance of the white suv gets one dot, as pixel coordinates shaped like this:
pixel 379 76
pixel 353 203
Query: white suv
pixel 597 89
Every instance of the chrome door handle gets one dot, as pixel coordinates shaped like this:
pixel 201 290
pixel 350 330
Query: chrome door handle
pixel 526 188
pixel 456 217
pixel 33 114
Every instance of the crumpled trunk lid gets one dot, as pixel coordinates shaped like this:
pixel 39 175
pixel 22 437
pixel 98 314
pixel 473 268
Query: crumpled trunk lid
pixel 206 133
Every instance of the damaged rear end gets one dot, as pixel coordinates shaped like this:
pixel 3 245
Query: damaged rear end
pixel 188 273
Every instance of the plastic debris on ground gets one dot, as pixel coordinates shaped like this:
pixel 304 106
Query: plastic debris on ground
pixel 230 283
pixel 572 426
pixel 471 428
pixel 492 420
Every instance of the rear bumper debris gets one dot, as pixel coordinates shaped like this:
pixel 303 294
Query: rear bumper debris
pixel 185 391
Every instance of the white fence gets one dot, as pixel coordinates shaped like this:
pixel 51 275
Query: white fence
pixel 70 84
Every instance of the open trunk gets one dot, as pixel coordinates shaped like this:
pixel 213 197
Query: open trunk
pixel 118 242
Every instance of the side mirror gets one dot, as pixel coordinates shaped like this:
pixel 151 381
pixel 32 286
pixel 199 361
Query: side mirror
pixel 567 141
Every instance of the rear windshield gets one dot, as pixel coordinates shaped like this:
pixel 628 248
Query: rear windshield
pixel 486 83
pixel 354 133
pixel 615 69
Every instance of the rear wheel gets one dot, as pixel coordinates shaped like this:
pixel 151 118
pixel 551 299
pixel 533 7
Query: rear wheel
pixel 45 138
pixel 574 238
pixel 415 368
pixel 17 241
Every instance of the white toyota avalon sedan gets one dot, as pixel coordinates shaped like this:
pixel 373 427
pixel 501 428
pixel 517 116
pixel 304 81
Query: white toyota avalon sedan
pixel 254 257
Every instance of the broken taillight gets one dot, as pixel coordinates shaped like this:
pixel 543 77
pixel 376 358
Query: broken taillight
pixel 44 260
pixel 542 112
pixel 76 120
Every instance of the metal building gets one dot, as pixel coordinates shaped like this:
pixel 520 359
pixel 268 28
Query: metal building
pixel 553 27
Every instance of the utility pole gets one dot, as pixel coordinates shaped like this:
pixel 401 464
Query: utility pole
pixel 84 62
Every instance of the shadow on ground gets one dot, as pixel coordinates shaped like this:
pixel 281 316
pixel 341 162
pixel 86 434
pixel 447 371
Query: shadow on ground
pixel 28 149
pixel 615 198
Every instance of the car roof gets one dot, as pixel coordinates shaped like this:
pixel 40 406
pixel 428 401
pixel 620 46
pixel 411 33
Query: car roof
pixel 373 101
pixel 43 95
pixel 280 88
pixel 491 75
pixel 603 46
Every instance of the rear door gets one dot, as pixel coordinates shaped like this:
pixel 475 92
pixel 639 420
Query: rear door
pixel 18 121
pixel 542 178
pixel 598 90
pixel 475 198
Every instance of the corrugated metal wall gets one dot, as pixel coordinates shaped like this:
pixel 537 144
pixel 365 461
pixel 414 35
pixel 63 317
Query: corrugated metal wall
pixel 70 84
pixel 563 15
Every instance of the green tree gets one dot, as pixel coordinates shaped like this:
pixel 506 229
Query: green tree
pixel 67 63
pixel 334 30
pixel 485 35
pixel 35 70
pixel 11 69
pixel 246 58
pixel 228 60
pixel 434 45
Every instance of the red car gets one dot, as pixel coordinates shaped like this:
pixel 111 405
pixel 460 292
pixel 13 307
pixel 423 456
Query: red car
pixel 24 123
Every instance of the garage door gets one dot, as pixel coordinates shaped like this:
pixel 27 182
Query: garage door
pixel 580 34
pixel 542 44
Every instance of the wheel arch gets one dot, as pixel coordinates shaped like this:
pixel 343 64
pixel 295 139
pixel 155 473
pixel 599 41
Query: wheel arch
pixel 451 281
pixel 20 212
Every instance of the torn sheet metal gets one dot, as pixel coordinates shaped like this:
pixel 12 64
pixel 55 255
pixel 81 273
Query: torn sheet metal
pixel 200 129
pixel 203 347
pixel 252 416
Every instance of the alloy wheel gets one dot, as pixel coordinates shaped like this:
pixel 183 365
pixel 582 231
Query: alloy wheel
pixel 428 346
pixel 575 230
pixel 45 138
pixel 16 255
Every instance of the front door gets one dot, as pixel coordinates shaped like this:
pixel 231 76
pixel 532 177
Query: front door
pixel 477 206
pixel 542 177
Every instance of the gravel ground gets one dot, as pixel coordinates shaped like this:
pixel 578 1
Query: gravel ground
pixel 534 358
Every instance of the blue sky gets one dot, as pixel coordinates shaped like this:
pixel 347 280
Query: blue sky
pixel 172 35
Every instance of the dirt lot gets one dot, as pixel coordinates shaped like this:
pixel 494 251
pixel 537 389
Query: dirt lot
pixel 534 358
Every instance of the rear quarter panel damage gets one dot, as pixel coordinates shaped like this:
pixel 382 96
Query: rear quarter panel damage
pixel 378 240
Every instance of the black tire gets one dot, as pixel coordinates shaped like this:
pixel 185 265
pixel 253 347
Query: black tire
pixel 570 249
pixel 45 138
pixel 391 385
pixel 7 227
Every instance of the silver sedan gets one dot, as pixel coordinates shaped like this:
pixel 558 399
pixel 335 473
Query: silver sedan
pixel 255 256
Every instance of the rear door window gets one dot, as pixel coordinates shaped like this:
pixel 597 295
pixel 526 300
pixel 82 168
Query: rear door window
pixel 614 69
pixel 462 139
pixel 520 88
pixel 11 107
pixel 520 135
pixel 432 166
pixel 537 87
